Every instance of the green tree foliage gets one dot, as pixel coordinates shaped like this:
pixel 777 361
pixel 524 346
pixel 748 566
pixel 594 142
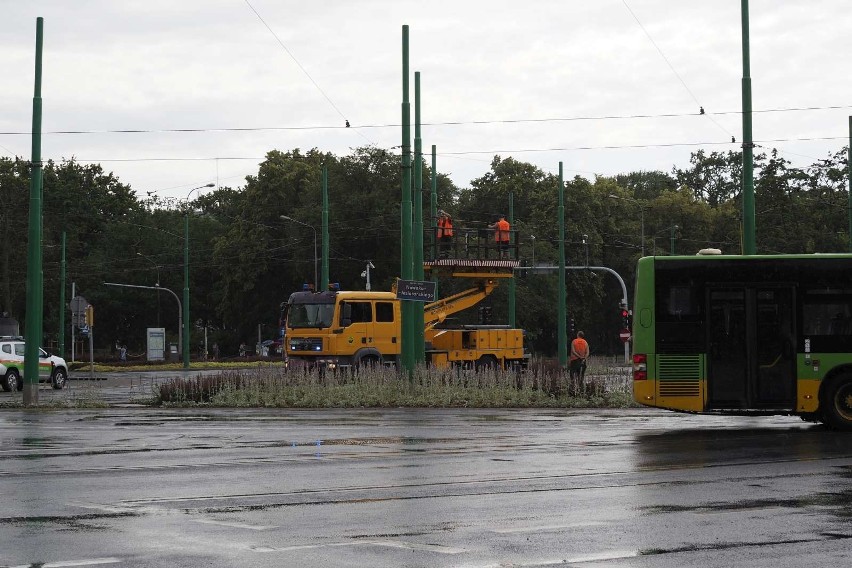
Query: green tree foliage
pixel 245 259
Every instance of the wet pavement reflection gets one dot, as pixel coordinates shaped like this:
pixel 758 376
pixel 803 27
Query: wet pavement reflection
pixel 420 487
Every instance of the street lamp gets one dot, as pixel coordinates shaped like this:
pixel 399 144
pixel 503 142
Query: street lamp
pixel 185 346
pixel 311 227
pixel 642 206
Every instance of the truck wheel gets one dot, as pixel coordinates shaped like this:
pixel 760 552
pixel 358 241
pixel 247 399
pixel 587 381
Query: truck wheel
pixel 487 363
pixel 11 380
pixel 369 362
pixel 59 378
pixel 836 403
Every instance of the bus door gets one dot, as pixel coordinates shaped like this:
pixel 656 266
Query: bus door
pixel 751 360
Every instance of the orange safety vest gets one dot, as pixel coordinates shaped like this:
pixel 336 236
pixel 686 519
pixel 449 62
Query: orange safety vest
pixel 445 227
pixel 581 346
pixel 501 235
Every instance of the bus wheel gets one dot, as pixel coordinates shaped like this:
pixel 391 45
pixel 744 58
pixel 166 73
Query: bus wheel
pixel 837 403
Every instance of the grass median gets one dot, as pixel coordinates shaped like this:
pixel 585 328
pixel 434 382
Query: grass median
pixel 544 384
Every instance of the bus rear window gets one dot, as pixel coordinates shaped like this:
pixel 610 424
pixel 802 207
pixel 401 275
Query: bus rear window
pixel 678 302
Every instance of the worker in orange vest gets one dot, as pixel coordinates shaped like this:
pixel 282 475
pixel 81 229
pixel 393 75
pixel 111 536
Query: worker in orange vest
pixel 579 354
pixel 501 236
pixel 445 233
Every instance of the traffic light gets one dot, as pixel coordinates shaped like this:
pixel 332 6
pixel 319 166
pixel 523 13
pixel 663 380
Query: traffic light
pixel 90 315
pixel 625 315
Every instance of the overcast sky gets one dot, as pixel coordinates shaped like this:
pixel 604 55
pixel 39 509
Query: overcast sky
pixel 516 75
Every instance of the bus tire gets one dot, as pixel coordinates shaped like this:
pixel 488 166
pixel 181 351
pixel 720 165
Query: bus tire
pixel 836 403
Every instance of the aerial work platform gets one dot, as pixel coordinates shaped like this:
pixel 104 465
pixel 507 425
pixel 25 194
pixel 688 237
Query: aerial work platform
pixel 473 252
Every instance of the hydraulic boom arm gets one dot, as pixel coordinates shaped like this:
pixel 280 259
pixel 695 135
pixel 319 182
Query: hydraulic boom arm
pixel 436 312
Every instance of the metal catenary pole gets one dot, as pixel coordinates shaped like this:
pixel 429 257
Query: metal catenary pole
pixel 433 211
pixel 407 347
pixel 325 277
pixel 185 331
pixel 562 333
pixel 34 262
pixel 512 281
pixel 62 298
pixel 749 242
pixel 417 230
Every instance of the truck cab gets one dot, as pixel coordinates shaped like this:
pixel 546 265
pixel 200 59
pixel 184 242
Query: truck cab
pixel 342 329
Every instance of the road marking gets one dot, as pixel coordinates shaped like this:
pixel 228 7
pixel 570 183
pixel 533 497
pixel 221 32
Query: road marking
pixel 387 543
pixel 550 528
pixel 104 508
pixel 598 556
pixel 235 525
pixel 608 555
pixel 87 562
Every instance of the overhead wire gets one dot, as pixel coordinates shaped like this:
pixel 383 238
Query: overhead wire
pixel 669 63
pixel 305 71
pixel 439 123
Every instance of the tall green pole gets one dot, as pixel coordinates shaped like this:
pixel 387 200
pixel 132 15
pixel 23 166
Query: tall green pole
pixel 672 230
pixel 417 240
pixel 185 346
pixel 34 262
pixel 433 204
pixel 408 339
pixel 562 333
pixel 749 243
pixel 849 195
pixel 62 299
pixel 324 277
pixel 512 281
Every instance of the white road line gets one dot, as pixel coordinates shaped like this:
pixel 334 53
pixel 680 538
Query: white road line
pixel 607 555
pixel 597 556
pixel 61 564
pixel 235 525
pixel 387 543
pixel 549 528
pixel 104 508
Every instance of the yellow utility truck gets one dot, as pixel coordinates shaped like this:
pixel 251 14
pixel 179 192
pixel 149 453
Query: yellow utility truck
pixel 334 329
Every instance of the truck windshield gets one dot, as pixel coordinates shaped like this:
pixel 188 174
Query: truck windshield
pixel 310 315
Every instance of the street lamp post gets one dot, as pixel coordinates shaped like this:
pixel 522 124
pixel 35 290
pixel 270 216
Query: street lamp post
pixel 642 205
pixel 311 227
pixel 157 288
pixel 185 345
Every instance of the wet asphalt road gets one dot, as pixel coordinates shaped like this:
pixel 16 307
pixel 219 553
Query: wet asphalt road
pixel 386 488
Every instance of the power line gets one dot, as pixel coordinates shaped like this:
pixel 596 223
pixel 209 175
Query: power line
pixel 305 71
pixel 443 123
pixel 669 63
pixel 296 61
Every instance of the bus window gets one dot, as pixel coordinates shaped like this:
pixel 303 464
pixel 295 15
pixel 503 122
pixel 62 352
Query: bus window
pixel 681 302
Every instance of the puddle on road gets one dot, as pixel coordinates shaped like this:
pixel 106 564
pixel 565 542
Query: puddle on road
pixel 85 522
pixel 733 545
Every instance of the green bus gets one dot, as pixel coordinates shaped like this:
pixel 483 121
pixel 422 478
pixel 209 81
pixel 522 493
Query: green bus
pixel 762 334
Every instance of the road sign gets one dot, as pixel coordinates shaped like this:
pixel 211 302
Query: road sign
pixel 78 304
pixel 624 335
pixel 417 290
